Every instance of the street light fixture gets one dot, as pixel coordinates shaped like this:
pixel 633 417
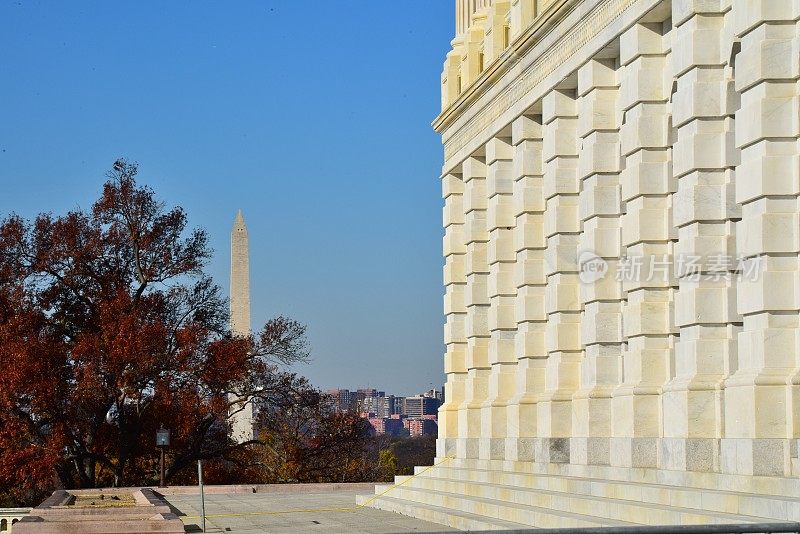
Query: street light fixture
pixel 162 441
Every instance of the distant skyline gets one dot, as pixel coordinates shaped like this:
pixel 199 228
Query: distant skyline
pixel 410 393
pixel 313 123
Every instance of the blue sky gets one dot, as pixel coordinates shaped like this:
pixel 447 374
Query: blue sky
pixel 312 117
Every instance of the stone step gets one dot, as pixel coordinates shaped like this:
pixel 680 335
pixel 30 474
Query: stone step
pixel 760 485
pixel 550 499
pixel 588 505
pixel 773 508
pixel 437 514
pixel 505 510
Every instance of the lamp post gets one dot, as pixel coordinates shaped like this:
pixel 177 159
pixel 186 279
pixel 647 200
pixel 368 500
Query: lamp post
pixel 162 441
pixel 202 493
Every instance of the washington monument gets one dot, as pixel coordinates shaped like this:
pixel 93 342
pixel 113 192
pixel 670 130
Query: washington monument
pixel 242 419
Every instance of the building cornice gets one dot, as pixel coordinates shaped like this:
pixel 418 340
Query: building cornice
pixel 520 71
pixel 495 71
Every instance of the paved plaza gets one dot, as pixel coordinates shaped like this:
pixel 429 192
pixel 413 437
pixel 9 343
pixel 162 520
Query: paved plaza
pixel 328 512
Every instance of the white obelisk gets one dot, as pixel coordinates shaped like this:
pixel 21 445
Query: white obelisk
pixel 242 418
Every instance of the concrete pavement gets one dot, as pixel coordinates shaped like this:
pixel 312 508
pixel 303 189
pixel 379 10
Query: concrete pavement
pixel 294 512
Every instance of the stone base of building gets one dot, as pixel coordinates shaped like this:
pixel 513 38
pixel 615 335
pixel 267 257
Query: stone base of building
pixel 474 494
pixel 759 457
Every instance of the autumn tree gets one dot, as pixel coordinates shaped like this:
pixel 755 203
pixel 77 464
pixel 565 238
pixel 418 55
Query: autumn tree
pixel 110 327
pixel 306 440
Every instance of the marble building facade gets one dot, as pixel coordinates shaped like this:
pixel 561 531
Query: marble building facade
pixel 622 256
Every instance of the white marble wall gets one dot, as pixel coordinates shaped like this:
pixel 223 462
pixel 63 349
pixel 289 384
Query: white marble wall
pixel 623 257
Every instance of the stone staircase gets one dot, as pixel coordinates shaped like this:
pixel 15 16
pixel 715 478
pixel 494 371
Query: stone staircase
pixel 494 495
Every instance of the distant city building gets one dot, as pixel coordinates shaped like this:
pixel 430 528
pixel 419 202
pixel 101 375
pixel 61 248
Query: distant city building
pixel 378 425
pixel 369 401
pixel 342 399
pixel 394 426
pixel 386 425
pixel 418 427
pixel 435 394
pixel 419 405
pixel 397 406
pixel 385 406
pixel 366 400
pixel 375 405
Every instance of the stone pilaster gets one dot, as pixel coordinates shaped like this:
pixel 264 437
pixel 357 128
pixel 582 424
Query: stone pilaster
pixel 599 250
pixel 762 399
pixel 476 237
pixel 647 186
pixel 530 281
pixel 703 212
pixel 451 73
pixel 473 42
pixel 495 40
pixel 465 9
pixel 455 310
pixel 502 292
pixel 562 227
pixel 522 15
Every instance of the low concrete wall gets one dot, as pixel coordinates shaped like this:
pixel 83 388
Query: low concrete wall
pixel 248 488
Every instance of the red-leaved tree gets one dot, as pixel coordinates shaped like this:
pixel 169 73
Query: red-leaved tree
pixel 108 329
